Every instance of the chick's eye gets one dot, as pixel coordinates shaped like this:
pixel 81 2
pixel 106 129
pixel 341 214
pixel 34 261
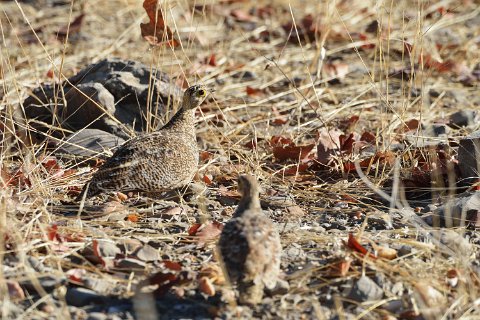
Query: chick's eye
pixel 201 92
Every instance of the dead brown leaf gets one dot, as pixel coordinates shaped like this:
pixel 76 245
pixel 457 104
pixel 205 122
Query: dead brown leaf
pixel 156 32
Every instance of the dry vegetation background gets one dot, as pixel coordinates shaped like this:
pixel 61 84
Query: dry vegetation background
pixel 308 95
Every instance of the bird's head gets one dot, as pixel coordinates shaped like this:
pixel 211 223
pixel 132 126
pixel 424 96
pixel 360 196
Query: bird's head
pixel 247 185
pixel 194 96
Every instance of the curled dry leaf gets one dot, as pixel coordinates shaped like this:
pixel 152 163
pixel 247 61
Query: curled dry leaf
pixel 163 281
pixel 453 277
pixel 52 233
pixel 122 196
pixel 208 179
pixel 254 91
pixel 328 142
pixel 340 268
pixel 409 125
pixel 105 251
pixel 213 272
pixel 206 286
pixel 71 29
pixel 155 31
pixel 307 30
pixel 76 275
pixel 386 158
pixel 133 217
pixel 206 232
pixel 295 169
pixel 241 15
pixel 205 155
pixel 280 118
pixel 369 43
pixel 295 211
pixel 386 253
pixel 212 60
pixel 355 245
pixel 430 296
pixel 284 149
pixel 172 265
pixel 336 70
pixel 429 62
pixel 368 137
pixel 15 291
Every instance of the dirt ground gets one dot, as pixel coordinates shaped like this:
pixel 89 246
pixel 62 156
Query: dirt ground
pixel 349 113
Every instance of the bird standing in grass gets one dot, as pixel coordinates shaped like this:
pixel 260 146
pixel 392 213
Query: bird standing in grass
pixel 162 160
pixel 250 245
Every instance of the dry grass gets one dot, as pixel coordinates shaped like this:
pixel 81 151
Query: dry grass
pixel 292 82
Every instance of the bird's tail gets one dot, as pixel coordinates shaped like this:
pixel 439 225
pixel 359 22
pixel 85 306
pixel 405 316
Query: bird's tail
pixel 250 293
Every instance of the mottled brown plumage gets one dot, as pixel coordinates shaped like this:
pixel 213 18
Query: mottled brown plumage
pixel 250 246
pixel 158 161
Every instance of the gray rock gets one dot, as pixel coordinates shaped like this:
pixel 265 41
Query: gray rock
pixel 81 297
pixel 453 241
pixel 90 103
pixel 281 288
pixel 469 156
pixel 112 95
pixel 47 282
pixel 464 209
pixel 365 289
pixel 36 264
pixel 435 130
pixel 97 316
pixel 89 143
pixel 404 250
pixel 463 118
pixel 148 253
pixel 107 249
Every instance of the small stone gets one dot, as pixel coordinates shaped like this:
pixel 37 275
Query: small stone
pixel 128 246
pixel 35 264
pixel 404 250
pixel 455 241
pixel 248 75
pixel 469 156
pixel 106 249
pixel 365 289
pixel 148 253
pixel 281 288
pixel 98 285
pixel 439 129
pixel 245 75
pixel 48 283
pixel 89 143
pixel 97 316
pixel 464 209
pixel 372 27
pixel 463 118
pixel 81 297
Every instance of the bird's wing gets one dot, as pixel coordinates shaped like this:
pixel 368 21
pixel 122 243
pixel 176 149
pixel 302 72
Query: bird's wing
pixel 263 262
pixel 130 159
pixel 234 248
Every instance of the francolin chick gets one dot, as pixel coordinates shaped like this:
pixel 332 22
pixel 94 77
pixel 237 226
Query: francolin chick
pixel 250 245
pixel 162 160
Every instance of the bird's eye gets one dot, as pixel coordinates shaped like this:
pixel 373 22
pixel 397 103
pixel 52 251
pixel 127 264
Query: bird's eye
pixel 202 93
